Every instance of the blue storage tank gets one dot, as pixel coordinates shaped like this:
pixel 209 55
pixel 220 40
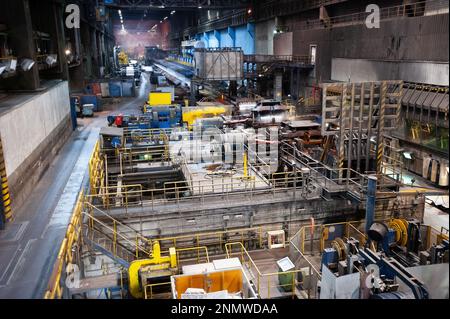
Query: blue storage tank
pixel 91 99
pixel 115 88
pixel 88 89
pixel 128 88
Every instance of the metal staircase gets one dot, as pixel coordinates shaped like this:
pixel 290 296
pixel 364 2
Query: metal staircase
pixel 106 245
pixel 325 177
pixel 118 241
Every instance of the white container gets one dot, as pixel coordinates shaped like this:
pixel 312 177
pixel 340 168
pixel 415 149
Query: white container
pixel 219 64
pixel 104 87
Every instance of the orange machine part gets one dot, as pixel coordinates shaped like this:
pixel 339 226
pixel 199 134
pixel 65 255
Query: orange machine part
pixel 230 280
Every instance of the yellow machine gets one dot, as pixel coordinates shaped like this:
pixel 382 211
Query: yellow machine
pixel 123 58
pixel 159 98
pixel 192 114
pixel 144 272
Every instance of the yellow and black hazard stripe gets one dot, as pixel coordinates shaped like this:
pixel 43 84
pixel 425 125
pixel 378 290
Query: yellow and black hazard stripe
pixel 5 198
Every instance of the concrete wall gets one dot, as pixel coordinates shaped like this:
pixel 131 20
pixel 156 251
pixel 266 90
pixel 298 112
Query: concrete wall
pixel 409 39
pixel 25 126
pixel 264 37
pixel 358 70
pixel 282 43
pixel 32 132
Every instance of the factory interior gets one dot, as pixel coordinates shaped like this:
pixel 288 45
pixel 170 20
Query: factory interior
pixel 224 149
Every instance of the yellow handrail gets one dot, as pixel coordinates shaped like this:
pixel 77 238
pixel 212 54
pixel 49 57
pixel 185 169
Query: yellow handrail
pixel 260 275
pixel 115 233
pixel 151 288
pixel 179 250
pixel 65 254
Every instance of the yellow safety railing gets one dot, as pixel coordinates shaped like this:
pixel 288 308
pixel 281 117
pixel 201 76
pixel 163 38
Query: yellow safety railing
pixel 197 249
pixel 119 233
pixel 434 236
pixel 311 240
pixel 96 170
pixel 266 283
pixel 123 197
pixel 66 252
pixel 186 190
pixel 218 238
pixel 315 239
pixel 148 289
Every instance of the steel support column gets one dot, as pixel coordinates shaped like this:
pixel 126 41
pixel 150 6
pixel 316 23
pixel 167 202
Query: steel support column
pixel 370 204
pixel 380 138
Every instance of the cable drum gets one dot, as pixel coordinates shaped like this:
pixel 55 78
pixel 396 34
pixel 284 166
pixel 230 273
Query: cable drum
pixel 377 231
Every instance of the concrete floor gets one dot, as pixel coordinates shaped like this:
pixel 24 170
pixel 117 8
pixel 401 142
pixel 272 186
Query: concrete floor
pixel 29 245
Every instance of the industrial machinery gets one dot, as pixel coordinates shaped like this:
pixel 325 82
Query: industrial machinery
pixel 192 114
pixel 305 132
pixel 111 137
pixel 123 58
pixel 159 98
pixel 153 271
pixel 244 107
pixel 153 53
pixel 386 270
pixel 402 239
pixel 269 112
pixel 164 116
pixel 131 122
pixel 161 112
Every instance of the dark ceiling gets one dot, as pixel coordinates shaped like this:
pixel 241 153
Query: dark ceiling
pixel 178 4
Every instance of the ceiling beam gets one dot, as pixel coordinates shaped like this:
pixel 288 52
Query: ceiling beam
pixel 179 4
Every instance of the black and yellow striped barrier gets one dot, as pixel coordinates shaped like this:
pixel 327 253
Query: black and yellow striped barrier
pixel 5 199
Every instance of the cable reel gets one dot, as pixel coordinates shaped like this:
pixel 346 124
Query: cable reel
pixel 339 245
pixel 400 226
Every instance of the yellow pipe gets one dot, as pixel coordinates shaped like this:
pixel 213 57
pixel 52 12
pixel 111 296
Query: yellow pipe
pixel 133 271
